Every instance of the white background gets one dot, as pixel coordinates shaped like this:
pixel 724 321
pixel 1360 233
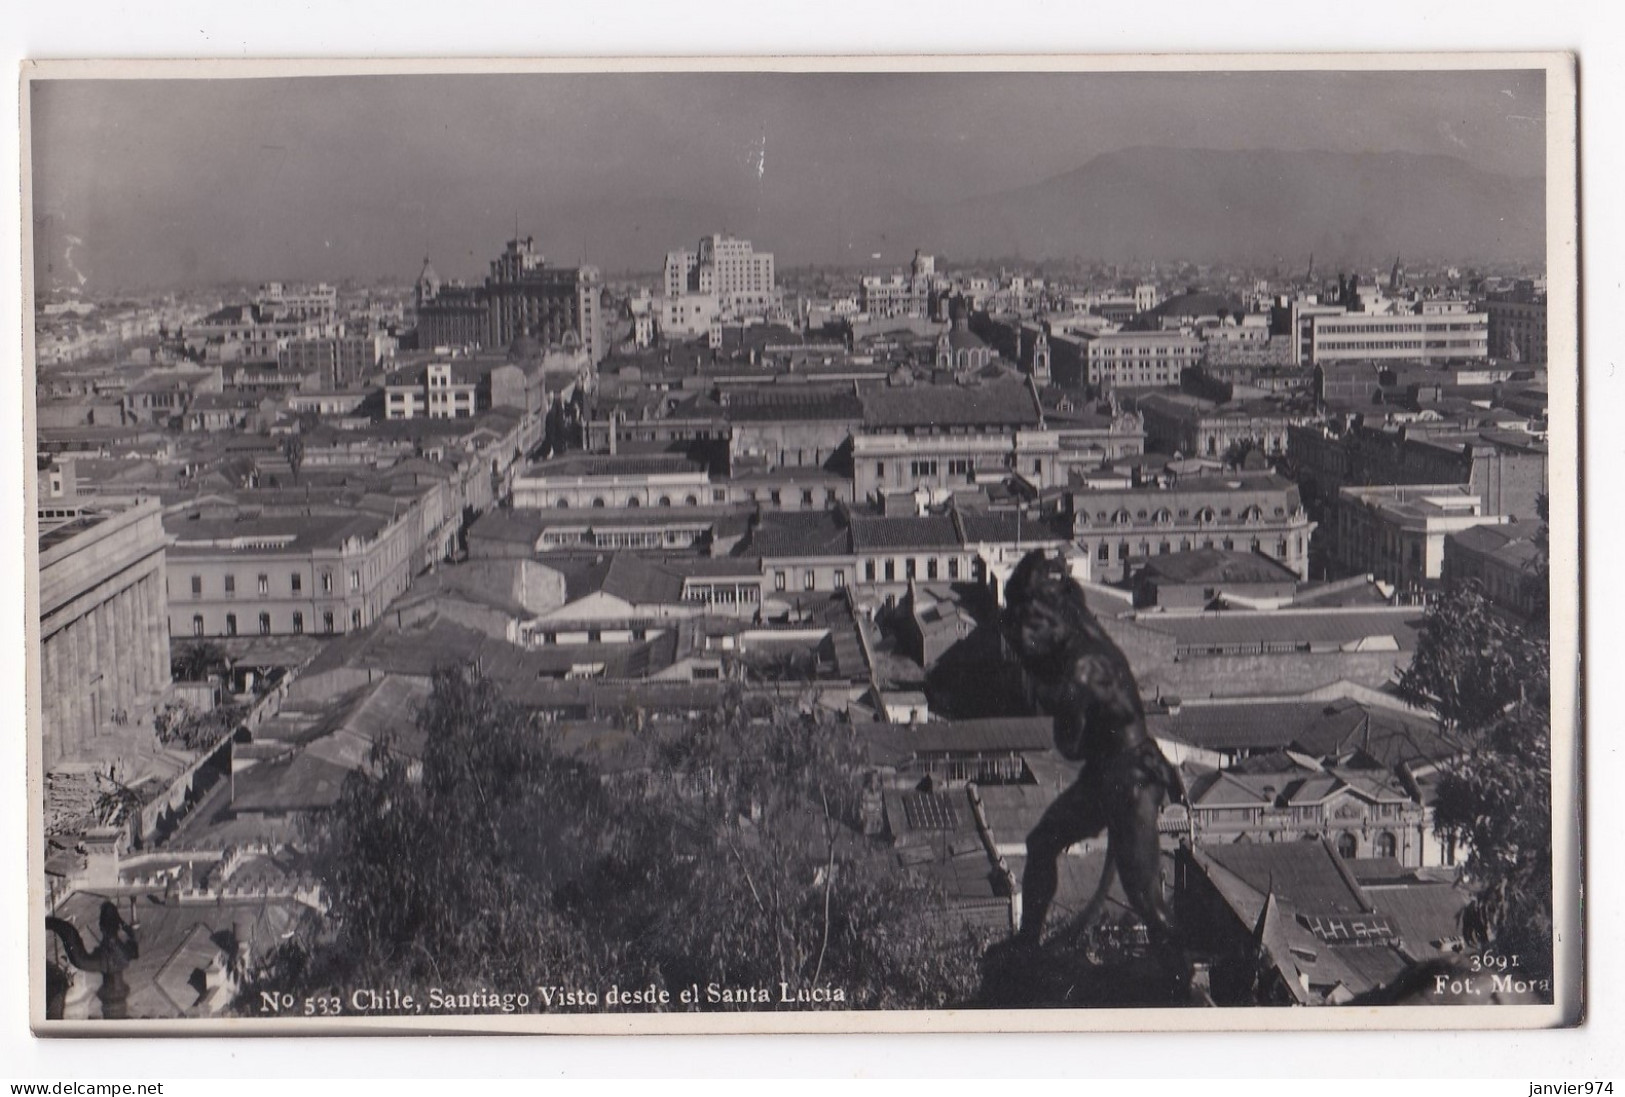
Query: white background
pixel 483 28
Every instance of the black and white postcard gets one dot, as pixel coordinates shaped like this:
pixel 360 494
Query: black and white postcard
pixel 748 545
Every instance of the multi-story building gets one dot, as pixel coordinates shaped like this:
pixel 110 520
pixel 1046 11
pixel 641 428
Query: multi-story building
pixel 1517 324
pixel 448 314
pixel 939 437
pixel 556 306
pixel 880 555
pixel 1507 470
pixel 338 362
pixel 726 268
pixel 1431 331
pixel 884 297
pixel 318 303
pixel 462 389
pixel 247 334
pixel 103 638
pixel 1136 359
pixel 279 575
pixel 1397 534
pixel 1506 562
pixel 1241 512
pixel 1188 425
pixel 605 481
pixel 522 296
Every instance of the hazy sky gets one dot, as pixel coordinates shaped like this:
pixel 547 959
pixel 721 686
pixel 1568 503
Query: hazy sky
pixel 156 183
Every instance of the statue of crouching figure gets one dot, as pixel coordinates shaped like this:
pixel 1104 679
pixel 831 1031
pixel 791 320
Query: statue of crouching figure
pixel 1077 675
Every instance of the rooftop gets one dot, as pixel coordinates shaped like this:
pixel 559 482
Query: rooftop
pixel 1001 403
pixel 1215 566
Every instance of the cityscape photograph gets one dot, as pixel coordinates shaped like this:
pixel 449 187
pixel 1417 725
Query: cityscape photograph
pixel 551 544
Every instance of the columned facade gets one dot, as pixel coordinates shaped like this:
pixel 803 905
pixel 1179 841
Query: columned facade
pixel 104 632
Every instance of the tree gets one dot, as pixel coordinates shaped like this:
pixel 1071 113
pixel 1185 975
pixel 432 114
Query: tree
pixel 1489 679
pixel 198 660
pixel 735 860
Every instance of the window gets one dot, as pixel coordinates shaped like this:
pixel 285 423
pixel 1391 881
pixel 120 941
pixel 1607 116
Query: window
pixel 953 567
pixel 263 584
pixel 231 585
pixel 1387 846
pixel 807 497
pixel 869 571
pixel 1348 846
pixel 298 622
pixel 776 499
pixel 1122 551
pixel 640 634
pixel 550 638
pixel 355 618
pixel 931 568
pixel 959 466
pixel 880 470
pixel 778 580
pixel 908 567
pixel 197 586
pixel 327 621
pixel 598 501
pixel 594 636
pixel 840 578
pixel 922 468
pixel 809 580
pixel 355 580
pixel 327 582
pixel 231 624
pixel 891 571
pixel 632 501
pixel 298 582
pixel 197 624
pixel 829 496
pixel 1038 467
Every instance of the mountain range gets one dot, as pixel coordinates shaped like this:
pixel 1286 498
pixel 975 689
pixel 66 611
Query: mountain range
pixel 1252 206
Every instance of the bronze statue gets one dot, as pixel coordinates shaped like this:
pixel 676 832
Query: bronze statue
pixel 110 957
pixel 1080 677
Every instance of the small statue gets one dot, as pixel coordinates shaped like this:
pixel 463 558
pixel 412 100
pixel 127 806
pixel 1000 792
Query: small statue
pixel 1082 679
pixel 117 949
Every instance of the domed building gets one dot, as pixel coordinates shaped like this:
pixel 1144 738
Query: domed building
pixel 959 349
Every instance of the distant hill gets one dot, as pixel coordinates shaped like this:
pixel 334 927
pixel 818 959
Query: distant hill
pixel 1254 206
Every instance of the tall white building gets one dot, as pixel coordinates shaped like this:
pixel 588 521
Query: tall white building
pixel 734 275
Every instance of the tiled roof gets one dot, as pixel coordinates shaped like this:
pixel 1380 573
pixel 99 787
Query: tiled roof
pixel 1006 403
pixel 522 527
pixel 1313 728
pixel 798 407
pixel 1304 874
pixel 813 533
pixel 880 533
